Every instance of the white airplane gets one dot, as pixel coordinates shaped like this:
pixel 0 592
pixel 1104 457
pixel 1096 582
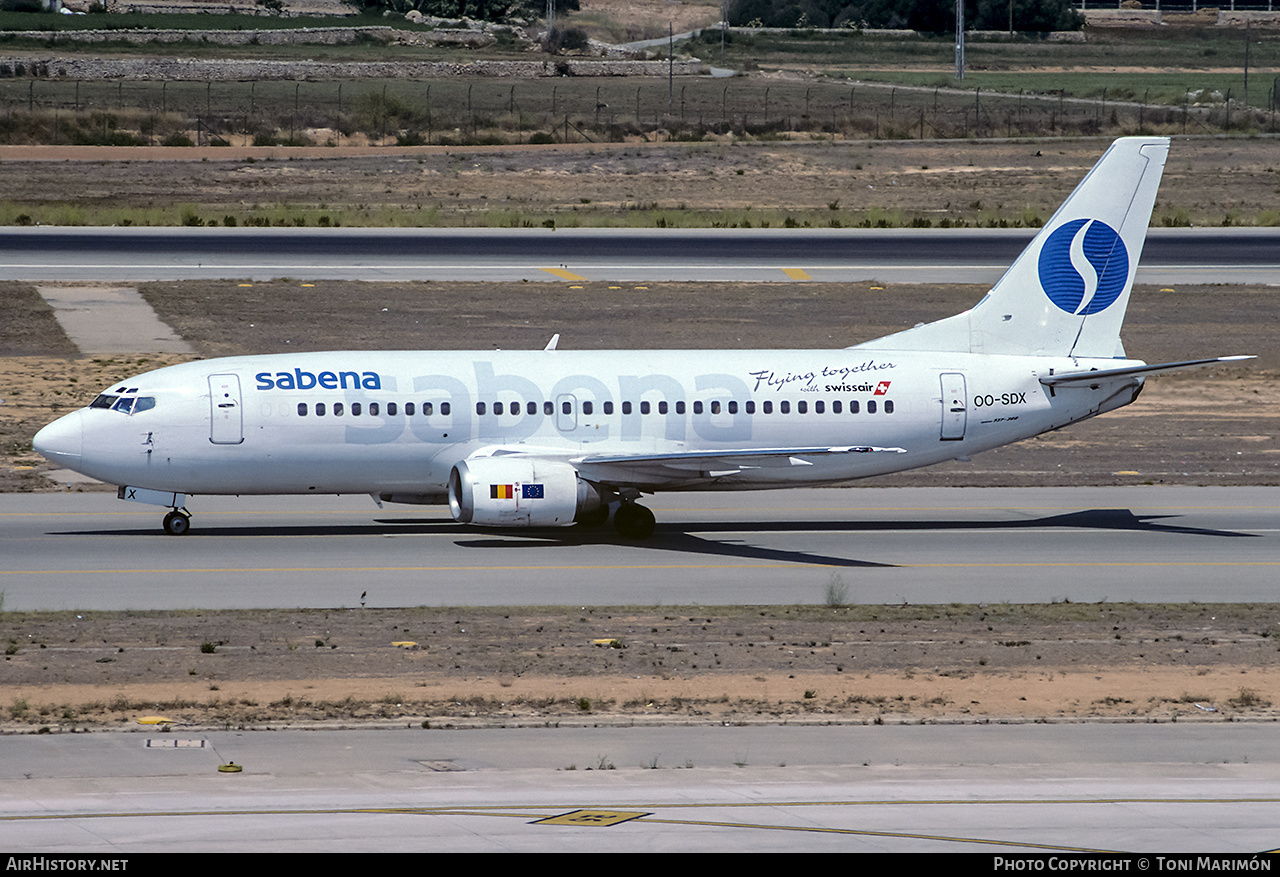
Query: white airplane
pixel 553 437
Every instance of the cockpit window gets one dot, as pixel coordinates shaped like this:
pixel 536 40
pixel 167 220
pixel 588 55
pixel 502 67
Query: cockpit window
pixel 124 404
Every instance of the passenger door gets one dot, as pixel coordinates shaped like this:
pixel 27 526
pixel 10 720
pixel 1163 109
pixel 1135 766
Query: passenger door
pixel 226 418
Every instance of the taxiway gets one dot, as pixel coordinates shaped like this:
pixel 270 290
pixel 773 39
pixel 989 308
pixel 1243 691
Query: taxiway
pixel 915 545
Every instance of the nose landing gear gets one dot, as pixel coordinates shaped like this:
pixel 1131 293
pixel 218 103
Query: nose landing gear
pixel 177 522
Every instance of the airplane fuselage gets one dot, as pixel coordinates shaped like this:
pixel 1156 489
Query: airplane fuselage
pixel 396 423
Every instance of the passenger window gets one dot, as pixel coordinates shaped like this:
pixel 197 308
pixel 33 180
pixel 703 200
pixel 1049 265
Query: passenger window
pixel 697 407
pixel 715 407
pixel 444 409
pixel 644 407
pixel 355 409
pixel 853 406
pixel 871 406
pixel 662 407
pixel 497 408
pixel 319 409
pixel 586 407
pixel 888 407
pixel 408 409
pixel 679 408
pixel 531 408
pixel 802 407
pixel 566 407
pixel 751 407
pixel 608 407
pixel 480 408
pixel 548 408
pixel 835 407
pixel 391 409
pixel 733 407
pixel 337 409
pixel 373 409
pixel 819 407
pixel 768 407
pixel 784 407
pixel 302 409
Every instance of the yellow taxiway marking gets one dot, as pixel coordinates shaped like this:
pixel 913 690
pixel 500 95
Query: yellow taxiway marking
pixel 592 817
pixel 567 275
pixel 796 273
pixel 600 817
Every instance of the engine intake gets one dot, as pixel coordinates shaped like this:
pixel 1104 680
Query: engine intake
pixel 520 492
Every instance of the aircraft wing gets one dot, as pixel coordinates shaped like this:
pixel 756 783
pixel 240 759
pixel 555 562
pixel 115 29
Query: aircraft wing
pixel 693 466
pixel 1130 375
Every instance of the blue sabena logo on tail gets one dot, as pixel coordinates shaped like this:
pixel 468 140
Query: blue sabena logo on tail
pixel 1084 266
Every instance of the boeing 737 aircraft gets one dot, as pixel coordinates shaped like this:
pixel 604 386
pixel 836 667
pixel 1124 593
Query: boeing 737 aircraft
pixel 553 437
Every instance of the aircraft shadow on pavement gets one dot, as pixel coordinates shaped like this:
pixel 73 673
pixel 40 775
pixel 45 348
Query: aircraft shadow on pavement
pixel 681 537
pixel 671 537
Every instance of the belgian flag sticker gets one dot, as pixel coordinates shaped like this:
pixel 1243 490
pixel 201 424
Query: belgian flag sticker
pixel 502 491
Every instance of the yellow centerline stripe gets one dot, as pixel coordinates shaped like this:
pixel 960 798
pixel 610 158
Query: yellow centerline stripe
pixel 866 832
pixel 796 273
pixel 621 566
pixel 312 569
pixel 567 275
pixel 686 511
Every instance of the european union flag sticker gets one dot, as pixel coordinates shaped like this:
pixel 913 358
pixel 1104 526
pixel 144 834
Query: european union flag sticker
pixel 531 491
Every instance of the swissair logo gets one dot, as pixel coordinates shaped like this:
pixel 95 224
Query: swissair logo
pixel 881 388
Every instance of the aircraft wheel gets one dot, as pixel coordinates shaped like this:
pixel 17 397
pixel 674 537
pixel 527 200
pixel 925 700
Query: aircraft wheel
pixel 176 523
pixel 633 521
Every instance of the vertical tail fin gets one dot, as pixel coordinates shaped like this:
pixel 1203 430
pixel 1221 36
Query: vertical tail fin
pixel 1067 293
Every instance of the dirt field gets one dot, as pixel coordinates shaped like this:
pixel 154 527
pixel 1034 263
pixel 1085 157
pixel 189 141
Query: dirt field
pixel 473 667
pixel 1206 182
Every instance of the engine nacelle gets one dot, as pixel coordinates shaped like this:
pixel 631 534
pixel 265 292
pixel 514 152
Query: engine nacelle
pixel 520 492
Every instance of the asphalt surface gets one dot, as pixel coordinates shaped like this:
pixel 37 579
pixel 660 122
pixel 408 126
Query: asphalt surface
pixel 989 789
pixel 918 545
pixel 929 255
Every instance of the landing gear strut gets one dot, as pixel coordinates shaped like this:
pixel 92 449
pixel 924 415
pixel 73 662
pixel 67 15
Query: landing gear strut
pixel 177 523
pixel 633 521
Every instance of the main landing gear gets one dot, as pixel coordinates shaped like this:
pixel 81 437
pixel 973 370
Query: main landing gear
pixel 177 522
pixel 633 521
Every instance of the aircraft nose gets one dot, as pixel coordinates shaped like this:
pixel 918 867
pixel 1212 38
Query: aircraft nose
pixel 63 440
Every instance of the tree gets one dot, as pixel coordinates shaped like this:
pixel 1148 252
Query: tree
pixel 497 11
pixel 928 16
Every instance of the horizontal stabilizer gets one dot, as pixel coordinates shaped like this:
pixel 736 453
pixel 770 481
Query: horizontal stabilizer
pixel 1126 374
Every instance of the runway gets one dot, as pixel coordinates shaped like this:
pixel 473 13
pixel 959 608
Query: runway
pixel 918 545
pixel 995 789
pixel 114 255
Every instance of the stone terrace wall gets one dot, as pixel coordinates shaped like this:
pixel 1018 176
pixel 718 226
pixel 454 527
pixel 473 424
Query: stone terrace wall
pixel 178 69
pixel 332 36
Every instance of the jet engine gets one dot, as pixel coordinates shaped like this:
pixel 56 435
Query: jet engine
pixel 522 492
